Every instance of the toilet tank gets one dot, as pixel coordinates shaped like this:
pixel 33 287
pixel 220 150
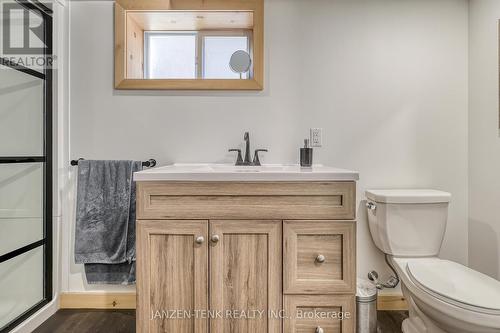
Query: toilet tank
pixel 408 223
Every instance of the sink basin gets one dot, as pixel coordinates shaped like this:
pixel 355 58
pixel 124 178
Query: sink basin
pixel 228 172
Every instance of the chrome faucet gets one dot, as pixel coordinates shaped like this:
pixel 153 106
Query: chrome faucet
pixel 247 161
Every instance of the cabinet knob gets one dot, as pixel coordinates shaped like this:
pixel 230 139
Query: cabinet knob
pixel 200 240
pixel 319 330
pixel 321 259
pixel 215 238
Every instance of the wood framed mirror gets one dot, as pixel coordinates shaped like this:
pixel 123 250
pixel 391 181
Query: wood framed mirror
pixel 189 44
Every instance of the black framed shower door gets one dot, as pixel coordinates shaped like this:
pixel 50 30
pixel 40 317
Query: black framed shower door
pixel 25 164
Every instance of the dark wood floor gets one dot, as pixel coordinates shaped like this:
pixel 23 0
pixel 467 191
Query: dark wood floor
pixel 123 321
pixel 89 321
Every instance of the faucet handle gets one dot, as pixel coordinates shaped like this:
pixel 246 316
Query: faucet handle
pixel 239 159
pixel 256 160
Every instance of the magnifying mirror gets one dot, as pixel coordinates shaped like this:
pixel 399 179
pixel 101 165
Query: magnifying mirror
pixel 240 62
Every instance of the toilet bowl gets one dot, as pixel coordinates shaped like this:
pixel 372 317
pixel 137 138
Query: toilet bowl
pixel 443 296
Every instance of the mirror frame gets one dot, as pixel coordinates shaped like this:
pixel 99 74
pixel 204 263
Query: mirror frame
pixel 255 83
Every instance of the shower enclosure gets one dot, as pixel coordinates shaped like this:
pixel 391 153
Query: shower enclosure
pixel 25 161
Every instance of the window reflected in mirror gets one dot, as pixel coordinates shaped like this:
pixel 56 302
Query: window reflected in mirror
pixel 194 54
pixel 217 51
pixel 170 55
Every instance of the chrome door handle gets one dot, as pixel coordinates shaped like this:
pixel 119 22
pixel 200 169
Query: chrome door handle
pixel 200 240
pixel 215 238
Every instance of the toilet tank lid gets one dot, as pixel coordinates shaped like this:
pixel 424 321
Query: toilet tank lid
pixel 408 196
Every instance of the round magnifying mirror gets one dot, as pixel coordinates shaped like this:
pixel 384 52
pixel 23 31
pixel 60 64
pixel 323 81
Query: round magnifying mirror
pixel 240 62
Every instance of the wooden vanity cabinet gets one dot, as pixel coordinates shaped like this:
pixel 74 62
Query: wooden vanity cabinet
pixel 172 274
pixel 245 274
pixel 247 257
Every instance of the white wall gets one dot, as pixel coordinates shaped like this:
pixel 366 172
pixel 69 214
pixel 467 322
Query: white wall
pixel 386 79
pixel 484 141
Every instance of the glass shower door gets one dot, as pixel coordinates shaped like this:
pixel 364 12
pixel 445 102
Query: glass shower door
pixel 25 182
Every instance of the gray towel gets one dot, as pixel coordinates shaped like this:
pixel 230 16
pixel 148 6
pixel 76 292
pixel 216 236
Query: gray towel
pixel 105 220
pixel 123 273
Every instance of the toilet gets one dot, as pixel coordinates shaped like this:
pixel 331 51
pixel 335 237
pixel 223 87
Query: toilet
pixel 443 296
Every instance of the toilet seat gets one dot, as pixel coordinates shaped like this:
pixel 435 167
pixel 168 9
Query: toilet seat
pixel 456 284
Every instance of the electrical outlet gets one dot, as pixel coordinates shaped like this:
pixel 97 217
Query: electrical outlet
pixel 316 137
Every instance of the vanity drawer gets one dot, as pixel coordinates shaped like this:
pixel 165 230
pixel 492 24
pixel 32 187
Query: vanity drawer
pixel 246 200
pixel 313 314
pixel 319 257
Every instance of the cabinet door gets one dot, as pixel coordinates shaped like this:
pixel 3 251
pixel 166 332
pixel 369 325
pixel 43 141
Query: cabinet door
pixel 245 275
pixel 320 257
pixel 172 275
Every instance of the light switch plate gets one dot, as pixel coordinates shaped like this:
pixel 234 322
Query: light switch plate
pixel 316 140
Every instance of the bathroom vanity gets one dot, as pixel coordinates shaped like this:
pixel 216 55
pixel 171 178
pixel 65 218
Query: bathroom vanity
pixel 246 249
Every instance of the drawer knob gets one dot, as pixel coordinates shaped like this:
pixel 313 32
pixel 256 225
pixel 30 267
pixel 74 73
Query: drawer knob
pixel 319 330
pixel 321 259
pixel 215 238
pixel 199 240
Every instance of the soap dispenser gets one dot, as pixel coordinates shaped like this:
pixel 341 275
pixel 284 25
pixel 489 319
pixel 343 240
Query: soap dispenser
pixel 306 155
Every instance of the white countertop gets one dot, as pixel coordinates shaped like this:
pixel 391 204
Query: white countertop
pixel 227 172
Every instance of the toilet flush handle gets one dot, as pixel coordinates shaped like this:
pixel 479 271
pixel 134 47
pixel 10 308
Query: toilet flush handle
pixel 371 205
